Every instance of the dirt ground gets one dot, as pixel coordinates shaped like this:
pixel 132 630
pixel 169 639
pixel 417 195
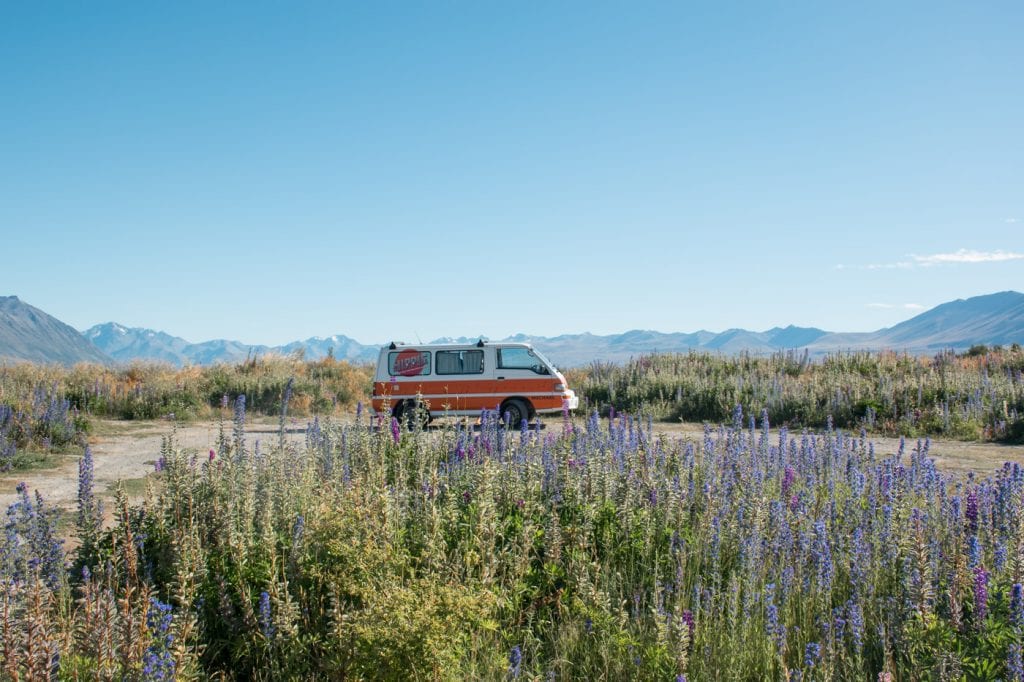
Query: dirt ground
pixel 127 451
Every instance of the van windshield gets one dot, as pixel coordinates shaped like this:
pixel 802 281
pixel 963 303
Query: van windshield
pixel 547 363
pixel 522 358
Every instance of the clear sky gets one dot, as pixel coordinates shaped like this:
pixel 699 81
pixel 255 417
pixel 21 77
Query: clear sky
pixel 269 172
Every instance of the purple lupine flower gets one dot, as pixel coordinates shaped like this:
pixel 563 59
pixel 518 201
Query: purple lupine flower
pixel 266 621
pixel 396 430
pixel 687 618
pixel 1017 605
pixel 999 556
pixel 90 509
pixel 515 660
pixel 238 430
pixel 838 624
pixel 973 551
pixel 31 544
pixel 1014 664
pixel 788 478
pixel 812 654
pixel 971 511
pixel 855 617
pixel 776 630
pixel 822 553
pixel 158 661
pixel 980 595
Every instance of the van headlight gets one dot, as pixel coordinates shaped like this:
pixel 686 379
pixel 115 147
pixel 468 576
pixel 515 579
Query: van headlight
pixel 559 388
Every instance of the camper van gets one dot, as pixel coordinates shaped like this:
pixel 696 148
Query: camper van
pixel 419 382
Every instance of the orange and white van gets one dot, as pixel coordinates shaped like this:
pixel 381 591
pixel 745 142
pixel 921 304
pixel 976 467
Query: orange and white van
pixel 464 379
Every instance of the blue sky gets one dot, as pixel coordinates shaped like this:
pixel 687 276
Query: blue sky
pixel 268 172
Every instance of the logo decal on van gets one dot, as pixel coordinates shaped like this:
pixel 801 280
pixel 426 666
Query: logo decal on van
pixel 410 363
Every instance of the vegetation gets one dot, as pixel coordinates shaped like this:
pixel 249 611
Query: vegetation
pixel 978 395
pixel 577 551
pixel 43 419
pixel 48 408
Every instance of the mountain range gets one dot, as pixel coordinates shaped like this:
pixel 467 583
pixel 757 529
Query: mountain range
pixel 27 333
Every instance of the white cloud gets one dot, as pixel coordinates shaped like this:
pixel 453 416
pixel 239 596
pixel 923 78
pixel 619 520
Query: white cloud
pixel 955 257
pixel 896 306
pixel 900 265
pixel 967 256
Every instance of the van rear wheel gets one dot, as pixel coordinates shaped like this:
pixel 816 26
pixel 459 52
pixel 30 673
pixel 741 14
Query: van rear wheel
pixel 417 414
pixel 515 411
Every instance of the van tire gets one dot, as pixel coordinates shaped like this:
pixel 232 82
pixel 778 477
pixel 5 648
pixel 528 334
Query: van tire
pixel 410 409
pixel 517 411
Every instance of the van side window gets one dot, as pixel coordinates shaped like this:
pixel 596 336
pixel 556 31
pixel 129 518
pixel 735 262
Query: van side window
pixel 460 361
pixel 409 363
pixel 520 358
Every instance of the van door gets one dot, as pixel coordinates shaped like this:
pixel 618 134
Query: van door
pixel 464 377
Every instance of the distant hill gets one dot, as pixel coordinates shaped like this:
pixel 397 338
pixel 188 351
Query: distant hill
pixel 27 333
pixel 134 343
pixel 573 350
pixel 995 319
pixel 122 343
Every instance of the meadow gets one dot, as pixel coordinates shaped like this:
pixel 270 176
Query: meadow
pixel 581 550
pixel 975 395
pixel 50 410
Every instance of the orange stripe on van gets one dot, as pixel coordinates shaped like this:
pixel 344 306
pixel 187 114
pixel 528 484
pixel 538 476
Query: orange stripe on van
pixel 408 387
pixel 468 394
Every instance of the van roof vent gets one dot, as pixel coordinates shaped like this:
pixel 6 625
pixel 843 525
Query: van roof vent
pixel 480 343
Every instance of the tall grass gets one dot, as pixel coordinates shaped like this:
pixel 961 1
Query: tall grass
pixel 973 396
pixel 155 390
pixel 588 550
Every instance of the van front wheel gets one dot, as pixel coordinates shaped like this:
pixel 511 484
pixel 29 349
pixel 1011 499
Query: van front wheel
pixel 515 411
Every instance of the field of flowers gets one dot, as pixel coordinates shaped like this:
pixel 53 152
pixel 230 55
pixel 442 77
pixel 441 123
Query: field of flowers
pixel 581 550
pixel 977 395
